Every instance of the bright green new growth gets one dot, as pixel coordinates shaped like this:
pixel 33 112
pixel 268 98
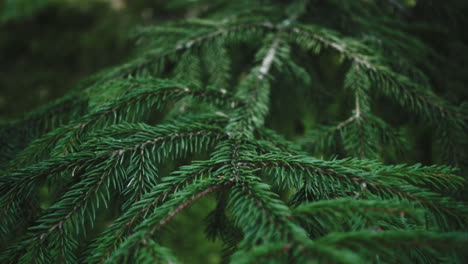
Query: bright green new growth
pixel 182 100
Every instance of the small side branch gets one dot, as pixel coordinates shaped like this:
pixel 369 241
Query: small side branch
pixel 187 203
pixel 138 239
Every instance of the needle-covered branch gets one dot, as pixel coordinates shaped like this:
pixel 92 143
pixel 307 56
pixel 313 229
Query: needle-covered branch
pixel 251 90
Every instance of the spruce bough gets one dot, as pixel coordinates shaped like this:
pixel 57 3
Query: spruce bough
pixel 197 100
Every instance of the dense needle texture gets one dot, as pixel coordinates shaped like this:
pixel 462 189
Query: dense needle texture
pixel 205 110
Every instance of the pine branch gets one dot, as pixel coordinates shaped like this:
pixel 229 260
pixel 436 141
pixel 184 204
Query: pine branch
pixel 297 253
pixel 386 243
pixel 152 96
pixel 150 253
pixel 394 85
pixel 51 115
pixel 15 135
pixel 345 214
pixel 251 203
pixel 102 247
pixel 159 140
pixel 255 92
pixel 194 41
pixel 339 178
pixel 349 247
pixel 440 177
pixel 274 203
pixel 270 141
pixel 75 209
pixel 165 213
pixel 146 94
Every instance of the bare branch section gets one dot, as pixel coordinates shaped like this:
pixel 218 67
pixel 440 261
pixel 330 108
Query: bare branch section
pixel 268 60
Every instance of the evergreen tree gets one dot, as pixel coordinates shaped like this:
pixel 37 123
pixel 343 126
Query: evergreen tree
pixel 306 164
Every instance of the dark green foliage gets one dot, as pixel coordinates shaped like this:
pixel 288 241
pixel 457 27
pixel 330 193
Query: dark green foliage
pixel 199 112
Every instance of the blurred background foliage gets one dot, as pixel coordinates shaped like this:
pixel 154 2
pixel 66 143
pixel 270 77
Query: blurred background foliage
pixel 48 46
